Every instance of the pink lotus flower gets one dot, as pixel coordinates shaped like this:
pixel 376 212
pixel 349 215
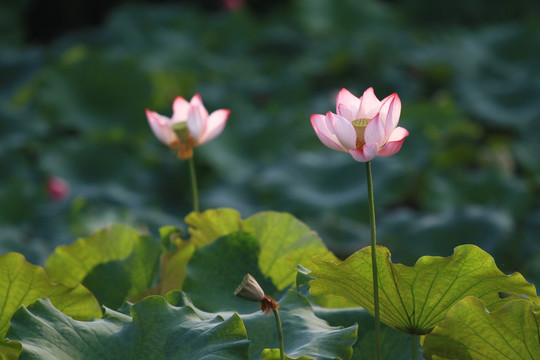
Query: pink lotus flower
pixel 190 125
pixel 364 127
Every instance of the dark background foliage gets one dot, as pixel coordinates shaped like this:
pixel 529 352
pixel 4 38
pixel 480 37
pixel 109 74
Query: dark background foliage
pixel 76 77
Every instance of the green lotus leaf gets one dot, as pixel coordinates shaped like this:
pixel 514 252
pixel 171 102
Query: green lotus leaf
pixel 23 283
pixel 414 299
pixel 115 263
pixel 284 240
pixel 285 243
pixel 397 345
pixel 470 332
pixel 215 271
pixel 305 335
pixel 158 330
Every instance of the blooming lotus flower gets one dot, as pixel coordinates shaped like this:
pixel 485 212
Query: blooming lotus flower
pixel 190 125
pixel 364 127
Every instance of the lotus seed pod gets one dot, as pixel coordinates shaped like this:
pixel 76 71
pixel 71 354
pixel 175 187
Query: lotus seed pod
pixel 250 289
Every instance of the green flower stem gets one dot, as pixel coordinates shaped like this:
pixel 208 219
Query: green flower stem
pixel 374 261
pixel 414 346
pixel 280 334
pixel 194 184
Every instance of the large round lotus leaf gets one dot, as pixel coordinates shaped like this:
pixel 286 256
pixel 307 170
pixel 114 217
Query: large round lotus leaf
pixel 305 333
pixel 155 330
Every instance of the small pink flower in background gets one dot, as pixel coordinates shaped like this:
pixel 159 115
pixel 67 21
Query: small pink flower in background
pixel 57 188
pixel 233 5
pixel 190 125
pixel 364 127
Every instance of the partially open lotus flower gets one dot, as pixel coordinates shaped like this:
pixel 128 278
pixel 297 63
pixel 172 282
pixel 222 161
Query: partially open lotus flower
pixel 190 125
pixel 364 127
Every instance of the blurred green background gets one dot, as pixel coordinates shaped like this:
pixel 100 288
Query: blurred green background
pixel 77 76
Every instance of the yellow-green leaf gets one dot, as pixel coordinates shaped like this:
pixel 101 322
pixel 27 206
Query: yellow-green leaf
pixel 111 243
pixel 115 263
pixel 284 240
pixel 470 332
pixel 414 299
pixel 23 283
pixel 207 226
pixel 173 270
pixel 10 350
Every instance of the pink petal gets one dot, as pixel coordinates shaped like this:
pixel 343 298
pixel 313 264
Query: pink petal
pixel 344 130
pixel 196 122
pixel 398 134
pixel 344 111
pixel 375 131
pixel 161 127
pixel 395 142
pixel 351 102
pixel 366 153
pixel 395 111
pixel 214 125
pixel 327 136
pixel 369 105
pixel 389 113
pixel 180 110
pixel 197 101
